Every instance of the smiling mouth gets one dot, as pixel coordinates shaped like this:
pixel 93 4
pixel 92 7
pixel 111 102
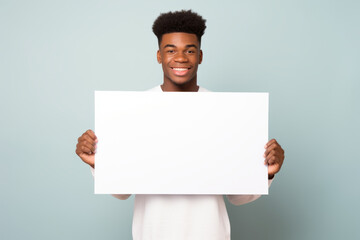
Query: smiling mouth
pixel 180 71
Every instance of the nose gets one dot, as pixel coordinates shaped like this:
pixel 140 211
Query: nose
pixel 181 57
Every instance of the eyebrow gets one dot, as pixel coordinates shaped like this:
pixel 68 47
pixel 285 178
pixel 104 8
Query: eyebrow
pixel 187 46
pixel 169 45
pixel 191 45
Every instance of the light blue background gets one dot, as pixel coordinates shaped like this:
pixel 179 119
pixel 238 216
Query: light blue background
pixel 54 54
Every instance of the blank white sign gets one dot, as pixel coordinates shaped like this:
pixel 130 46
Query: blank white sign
pixel 180 142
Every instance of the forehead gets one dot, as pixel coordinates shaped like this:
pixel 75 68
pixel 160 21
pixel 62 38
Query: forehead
pixel 179 39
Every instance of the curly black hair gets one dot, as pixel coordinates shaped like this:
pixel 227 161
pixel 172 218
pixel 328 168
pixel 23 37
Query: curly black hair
pixel 179 21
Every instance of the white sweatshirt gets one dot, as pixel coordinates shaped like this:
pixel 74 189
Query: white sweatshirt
pixel 183 217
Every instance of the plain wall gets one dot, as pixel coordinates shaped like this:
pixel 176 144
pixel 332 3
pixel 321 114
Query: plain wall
pixel 54 54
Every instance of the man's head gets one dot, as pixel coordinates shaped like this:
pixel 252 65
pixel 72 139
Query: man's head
pixel 179 36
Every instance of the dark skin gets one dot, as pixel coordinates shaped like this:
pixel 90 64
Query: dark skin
pixel 179 50
pixel 180 54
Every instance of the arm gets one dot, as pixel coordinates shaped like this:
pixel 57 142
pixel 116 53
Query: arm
pixel 274 157
pixel 86 150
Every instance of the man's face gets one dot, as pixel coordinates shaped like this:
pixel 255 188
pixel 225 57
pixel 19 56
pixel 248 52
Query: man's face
pixel 180 56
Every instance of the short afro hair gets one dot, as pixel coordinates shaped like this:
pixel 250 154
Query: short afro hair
pixel 179 21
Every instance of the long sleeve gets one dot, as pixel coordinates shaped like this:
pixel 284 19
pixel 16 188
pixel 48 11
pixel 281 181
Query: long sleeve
pixel 243 199
pixel 118 196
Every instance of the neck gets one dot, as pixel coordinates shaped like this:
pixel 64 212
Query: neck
pixel 169 86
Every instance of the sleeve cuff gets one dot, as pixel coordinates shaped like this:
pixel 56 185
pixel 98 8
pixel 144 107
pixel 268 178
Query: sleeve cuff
pixel 92 171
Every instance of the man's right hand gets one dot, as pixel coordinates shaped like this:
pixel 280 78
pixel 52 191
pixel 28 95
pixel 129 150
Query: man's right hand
pixel 86 147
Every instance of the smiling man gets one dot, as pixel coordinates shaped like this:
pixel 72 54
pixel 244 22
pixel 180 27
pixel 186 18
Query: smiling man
pixel 181 216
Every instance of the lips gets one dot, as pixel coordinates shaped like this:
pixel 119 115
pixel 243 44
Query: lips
pixel 180 71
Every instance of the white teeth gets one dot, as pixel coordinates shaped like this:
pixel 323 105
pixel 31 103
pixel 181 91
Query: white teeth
pixel 180 69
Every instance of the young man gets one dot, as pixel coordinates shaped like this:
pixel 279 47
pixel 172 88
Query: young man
pixel 181 216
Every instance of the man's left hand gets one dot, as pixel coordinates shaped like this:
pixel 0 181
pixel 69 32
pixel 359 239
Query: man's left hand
pixel 274 157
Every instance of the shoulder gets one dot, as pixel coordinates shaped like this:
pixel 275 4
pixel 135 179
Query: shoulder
pixel 155 89
pixel 201 89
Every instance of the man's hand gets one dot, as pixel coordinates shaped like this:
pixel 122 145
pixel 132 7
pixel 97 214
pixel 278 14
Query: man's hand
pixel 274 157
pixel 86 147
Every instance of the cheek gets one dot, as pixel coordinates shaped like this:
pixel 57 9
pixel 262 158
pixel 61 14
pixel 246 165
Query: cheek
pixel 167 59
pixel 196 59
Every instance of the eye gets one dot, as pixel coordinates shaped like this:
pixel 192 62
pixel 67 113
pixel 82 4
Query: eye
pixel 170 51
pixel 190 51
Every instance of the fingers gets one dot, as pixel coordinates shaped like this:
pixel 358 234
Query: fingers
pixel 88 148
pixel 269 143
pixel 91 134
pixel 88 139
pixel 272 159
pixel 272 151
pixel 274 156
pixel 273 148
pixel 86 143
pixel 269 149
pixel 85 148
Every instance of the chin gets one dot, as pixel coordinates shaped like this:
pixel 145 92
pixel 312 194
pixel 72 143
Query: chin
pixel 180 82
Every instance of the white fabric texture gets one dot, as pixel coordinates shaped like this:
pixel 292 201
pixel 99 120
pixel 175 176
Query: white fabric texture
pixel 182 217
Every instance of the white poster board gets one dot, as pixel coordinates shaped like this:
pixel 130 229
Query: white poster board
pixel 180 142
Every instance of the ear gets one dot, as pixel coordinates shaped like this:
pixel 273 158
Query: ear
pixel 200 57
pixel 158 56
